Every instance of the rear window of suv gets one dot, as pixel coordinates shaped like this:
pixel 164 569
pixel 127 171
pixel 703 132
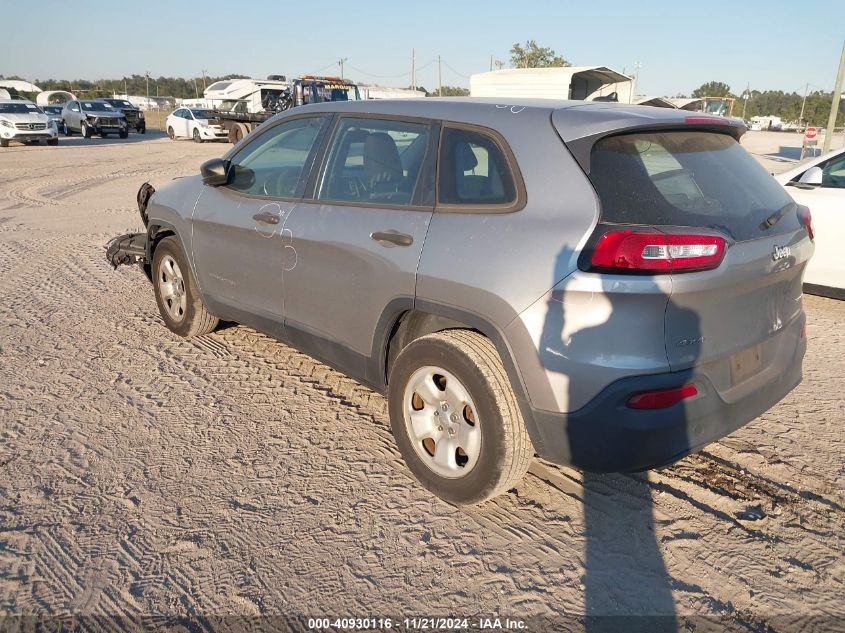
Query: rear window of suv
pixel 698 179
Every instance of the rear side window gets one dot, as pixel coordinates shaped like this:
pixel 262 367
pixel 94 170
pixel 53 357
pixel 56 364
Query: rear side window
pixel 697 179
pixel 473 170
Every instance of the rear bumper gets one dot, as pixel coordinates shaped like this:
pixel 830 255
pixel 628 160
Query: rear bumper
pixel 607 436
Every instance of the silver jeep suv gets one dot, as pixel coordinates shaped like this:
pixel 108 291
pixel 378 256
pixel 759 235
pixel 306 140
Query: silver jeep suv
pixel 601 285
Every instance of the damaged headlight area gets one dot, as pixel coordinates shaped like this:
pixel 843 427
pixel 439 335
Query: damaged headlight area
pixel 131 248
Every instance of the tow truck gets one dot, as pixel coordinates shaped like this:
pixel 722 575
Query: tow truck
pixel 244 104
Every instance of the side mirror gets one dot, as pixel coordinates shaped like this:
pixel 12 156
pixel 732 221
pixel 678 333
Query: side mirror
pixel 215 172
pixel 810 179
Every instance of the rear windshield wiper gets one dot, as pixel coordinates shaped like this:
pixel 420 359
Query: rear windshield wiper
pixel 775 217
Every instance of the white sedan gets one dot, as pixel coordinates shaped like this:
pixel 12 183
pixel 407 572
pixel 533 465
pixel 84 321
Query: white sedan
pixel 819 184
pixel 196 123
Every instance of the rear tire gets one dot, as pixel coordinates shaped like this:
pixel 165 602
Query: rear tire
pixel 237 132
pixel 177 296
pixel 498 458
pixel 171 134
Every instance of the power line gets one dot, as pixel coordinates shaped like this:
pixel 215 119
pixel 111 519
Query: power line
pixel 364 72
pixel 404 74
pixel 455 71
pixel 319 70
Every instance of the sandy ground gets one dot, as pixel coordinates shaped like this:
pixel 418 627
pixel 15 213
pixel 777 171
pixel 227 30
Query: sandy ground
pixel 142 474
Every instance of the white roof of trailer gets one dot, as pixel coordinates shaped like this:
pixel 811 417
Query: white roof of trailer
pixel 19 85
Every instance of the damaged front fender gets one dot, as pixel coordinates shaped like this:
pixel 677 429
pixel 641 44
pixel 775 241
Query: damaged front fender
pixel 133 248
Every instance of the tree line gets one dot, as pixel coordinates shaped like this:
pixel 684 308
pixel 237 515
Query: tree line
pixel 178 87
pixel 749 103
pixel 786 105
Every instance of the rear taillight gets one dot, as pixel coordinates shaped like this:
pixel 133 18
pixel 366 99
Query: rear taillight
pixel 706 120
pixel 807 220
pixel 662 398
pixel 657 252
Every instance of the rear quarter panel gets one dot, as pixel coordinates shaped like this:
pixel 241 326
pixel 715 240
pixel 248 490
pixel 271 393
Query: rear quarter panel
pixel 495 265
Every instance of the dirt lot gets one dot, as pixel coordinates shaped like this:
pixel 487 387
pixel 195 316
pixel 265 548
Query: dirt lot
pixel 142 474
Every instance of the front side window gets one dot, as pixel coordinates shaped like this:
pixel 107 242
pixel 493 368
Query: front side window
pixel 474 170
pixel 375 161
pixel 833 173
pixel 274 163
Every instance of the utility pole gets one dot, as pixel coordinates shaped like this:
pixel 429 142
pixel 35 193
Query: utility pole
pixel 196 92
pixel 637 66
pixel 413 69
pixel 439 77
pixel 342 61
pixel 491 62
pixel 803 103
pixel 125 89
pixel 203 71
pixel 834 106
pixel 147 75
pixel 747 94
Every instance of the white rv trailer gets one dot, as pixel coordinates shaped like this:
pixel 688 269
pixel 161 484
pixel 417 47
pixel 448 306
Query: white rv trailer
pixel 585 83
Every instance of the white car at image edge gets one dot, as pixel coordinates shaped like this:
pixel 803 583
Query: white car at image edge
pixel 24 121
pixel 196 123
pixel 819 184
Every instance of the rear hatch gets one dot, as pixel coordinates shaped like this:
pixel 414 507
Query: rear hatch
pixel 740 319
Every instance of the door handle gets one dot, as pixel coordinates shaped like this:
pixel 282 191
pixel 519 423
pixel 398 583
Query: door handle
pixel 391 237
pixel 266 218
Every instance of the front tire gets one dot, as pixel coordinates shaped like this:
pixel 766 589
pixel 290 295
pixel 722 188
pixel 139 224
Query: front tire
pixel 456 419
pixel 86 130
pixel 124 134
pixel 53 141
pixel 197 136
pixel 176 292
pixel 4 142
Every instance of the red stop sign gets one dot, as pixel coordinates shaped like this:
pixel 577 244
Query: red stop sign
pixel 810 132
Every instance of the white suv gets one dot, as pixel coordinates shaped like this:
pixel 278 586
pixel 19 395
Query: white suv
pixel 23 121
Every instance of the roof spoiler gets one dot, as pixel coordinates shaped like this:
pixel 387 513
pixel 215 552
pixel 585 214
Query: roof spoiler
pixel 582 147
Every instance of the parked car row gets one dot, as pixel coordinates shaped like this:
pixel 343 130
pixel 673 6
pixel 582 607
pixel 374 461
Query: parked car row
pixel 23 121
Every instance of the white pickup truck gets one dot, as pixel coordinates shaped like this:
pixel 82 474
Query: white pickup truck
pixel 23 121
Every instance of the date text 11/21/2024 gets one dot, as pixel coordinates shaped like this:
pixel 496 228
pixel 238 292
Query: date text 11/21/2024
pixel 417 624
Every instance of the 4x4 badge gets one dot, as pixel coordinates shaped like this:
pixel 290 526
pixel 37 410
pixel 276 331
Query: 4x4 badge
pixel 780 252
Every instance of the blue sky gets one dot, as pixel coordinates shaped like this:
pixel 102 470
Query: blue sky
pixel 772 45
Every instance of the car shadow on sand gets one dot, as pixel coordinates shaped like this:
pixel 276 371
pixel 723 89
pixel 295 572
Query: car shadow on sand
pixel 626 584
